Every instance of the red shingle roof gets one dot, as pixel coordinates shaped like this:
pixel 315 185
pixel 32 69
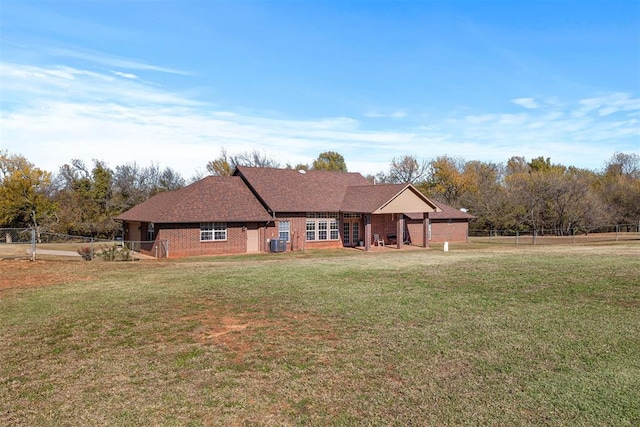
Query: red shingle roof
pixel 214 198
pixel 449 212
pixel 229 199
pixel 287 190
pixel 368 198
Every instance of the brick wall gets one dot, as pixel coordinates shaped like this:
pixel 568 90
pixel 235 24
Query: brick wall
pixel 184 240
pixel 441 231
pixel 415 228
pixel 298 234
pixel 449 230
pixel 383 225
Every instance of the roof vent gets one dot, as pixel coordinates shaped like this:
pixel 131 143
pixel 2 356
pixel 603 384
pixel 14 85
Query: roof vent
pixel 302 171
pixel 465 210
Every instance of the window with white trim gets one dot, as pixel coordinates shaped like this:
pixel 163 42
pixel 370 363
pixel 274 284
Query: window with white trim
pixel 311 229
pixel 213 231
pixel 334 233
pixel 150 233
pixel 283 230
pixel 322 229
pixel 322 226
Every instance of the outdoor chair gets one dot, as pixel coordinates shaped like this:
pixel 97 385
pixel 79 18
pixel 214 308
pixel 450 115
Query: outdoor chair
pixel 377 240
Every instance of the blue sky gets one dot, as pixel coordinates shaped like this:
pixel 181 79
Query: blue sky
pixel 174 82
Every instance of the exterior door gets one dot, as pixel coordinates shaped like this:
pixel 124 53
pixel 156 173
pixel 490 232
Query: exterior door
pixel 351 233
pixel 253 238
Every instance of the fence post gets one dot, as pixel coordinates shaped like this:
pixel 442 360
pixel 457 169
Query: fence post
pixel 33 244
pixel 617 231
pixel 92 253
pixel 535 234
pixel 517 236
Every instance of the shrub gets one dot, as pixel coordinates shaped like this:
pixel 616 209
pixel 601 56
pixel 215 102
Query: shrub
pixel 86 252
pixel 114 253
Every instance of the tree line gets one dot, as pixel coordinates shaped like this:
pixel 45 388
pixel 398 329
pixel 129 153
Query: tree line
pixel 519 194
pixel 529 195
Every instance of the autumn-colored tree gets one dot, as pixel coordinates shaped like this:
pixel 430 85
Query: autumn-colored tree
pixel 484 194
pixel 515 165
pixel 446 181
pixel 220 166
pixel 552 197
pixel 25 193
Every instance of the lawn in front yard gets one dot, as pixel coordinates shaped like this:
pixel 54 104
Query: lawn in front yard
pixel 497 335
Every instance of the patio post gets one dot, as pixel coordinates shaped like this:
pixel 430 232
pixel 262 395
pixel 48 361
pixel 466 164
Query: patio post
pixel 425 231
pixel 400 230
pixel 367 232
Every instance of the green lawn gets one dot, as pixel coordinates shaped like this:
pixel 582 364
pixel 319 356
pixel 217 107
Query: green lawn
pixel 486 335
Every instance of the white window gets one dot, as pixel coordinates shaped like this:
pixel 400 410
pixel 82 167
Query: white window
pixel 283 230
pixel 213 231
pixel 333 230
pixel 150 231
pixel 311 230
pixel 319 228
pixel 322 230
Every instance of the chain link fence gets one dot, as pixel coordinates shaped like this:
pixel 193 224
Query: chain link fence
pixel 546 236
pixel 29 243
pixel 153 248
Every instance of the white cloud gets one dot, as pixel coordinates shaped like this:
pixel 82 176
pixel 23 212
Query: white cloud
pixel 125 75
pixel 608 104
pixel 112 61
pixel 528 103
pixel 54 114
pixel 32 84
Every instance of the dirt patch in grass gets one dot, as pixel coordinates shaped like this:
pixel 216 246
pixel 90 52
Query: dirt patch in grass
pixel 20 273
pixel 246 334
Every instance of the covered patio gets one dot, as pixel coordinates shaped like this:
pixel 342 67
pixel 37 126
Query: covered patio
pixel 384 209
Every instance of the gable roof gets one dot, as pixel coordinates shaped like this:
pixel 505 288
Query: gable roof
pixel 214 198
pixel 287 190
pixel 246 197
pixel 386 198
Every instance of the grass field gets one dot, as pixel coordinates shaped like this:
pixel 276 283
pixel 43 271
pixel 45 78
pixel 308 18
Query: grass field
pixel 479 335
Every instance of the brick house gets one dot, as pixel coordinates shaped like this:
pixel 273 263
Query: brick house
pixel 259 207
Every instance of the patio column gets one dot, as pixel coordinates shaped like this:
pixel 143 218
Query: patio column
pixel 367 232
pixel 400 230
pixel 425 231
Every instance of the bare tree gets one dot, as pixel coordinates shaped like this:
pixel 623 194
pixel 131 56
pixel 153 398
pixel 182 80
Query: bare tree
pixel 620 188
pixel 407 169
pixel 225 164
pixel 254 159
